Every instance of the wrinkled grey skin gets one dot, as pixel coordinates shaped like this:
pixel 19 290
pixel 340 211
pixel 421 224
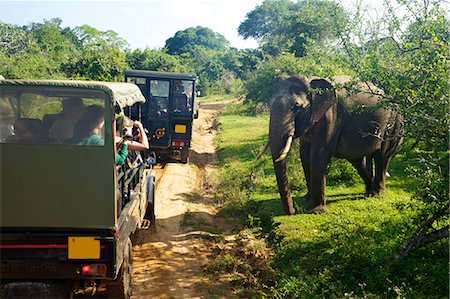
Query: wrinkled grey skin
pixel 330 122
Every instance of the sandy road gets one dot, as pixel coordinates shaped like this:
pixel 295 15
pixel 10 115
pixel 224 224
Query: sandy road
pixel 168 257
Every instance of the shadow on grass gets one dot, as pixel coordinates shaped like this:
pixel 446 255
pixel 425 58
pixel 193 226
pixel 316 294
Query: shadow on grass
pixel 244 151
pixel 345 196
pixel 352 259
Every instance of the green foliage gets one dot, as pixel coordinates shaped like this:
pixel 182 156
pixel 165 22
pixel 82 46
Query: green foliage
pixel 283 25
pixel 45 50
pixel 36 51
pixel 156 60
pixel 321 62
pixel 102 58
pixel 185 41
pixel 13 39
pixel 341 172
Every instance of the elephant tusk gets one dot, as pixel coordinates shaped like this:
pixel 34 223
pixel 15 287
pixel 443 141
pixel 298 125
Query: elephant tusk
pixel 286 149
pixel 263 150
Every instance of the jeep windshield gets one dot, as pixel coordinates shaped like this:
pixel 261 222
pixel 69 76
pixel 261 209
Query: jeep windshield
pixel 52 115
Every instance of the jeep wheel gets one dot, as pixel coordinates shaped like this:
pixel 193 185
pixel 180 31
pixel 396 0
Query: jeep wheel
pixel 122 287
pixel 185 156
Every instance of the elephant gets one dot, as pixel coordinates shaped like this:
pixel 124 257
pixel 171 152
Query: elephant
pixel 331 121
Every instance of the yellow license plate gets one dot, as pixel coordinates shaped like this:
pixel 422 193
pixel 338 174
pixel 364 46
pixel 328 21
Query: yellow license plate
pixel 83 248
pixel 180 129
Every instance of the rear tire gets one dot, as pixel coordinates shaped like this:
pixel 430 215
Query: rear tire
pixel 122 287
pixel 185 156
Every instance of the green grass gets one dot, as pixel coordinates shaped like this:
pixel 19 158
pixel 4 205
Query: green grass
pixel 215 98
pixel 343 253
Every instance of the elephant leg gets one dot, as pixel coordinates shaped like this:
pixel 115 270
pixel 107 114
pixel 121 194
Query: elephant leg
pixel 324 140
pixel 319 163
pixel 381 165
pixel 283 187
pixel 363 166
pixel 304 156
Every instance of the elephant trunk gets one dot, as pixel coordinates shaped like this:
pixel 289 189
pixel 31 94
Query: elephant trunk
pixel 281 133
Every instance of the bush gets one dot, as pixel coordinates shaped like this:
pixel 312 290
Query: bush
pixel 341 172
pixel 321 61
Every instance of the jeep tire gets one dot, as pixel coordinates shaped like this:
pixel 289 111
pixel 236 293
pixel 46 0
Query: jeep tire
pixel 122 286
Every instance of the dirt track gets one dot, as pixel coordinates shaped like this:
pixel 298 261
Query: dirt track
pixel 168 257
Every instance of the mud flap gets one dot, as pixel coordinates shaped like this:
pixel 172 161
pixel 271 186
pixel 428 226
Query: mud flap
pixel 150 211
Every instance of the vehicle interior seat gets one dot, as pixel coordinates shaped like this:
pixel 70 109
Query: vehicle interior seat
pixel 28 130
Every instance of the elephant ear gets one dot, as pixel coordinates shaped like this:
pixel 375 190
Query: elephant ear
pixel 323 97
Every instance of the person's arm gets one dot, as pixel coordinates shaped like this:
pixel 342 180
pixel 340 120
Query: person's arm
pixel 142 145
pixel 121 154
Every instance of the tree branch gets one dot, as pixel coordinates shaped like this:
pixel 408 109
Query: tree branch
pixel 434 236
pixel 420 238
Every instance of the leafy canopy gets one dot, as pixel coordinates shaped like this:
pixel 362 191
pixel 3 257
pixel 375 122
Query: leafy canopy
pixel 185 41
pixel 285 26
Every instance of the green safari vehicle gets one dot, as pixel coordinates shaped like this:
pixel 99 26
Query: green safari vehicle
pixel 67 211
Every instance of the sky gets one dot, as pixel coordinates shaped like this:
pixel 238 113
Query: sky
pixel 141 23
pixel 144 23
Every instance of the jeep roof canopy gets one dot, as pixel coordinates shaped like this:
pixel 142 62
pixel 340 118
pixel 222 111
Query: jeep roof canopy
pixel 163 75
pixel 124 94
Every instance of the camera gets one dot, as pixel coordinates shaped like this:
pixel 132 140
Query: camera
pixel 126 135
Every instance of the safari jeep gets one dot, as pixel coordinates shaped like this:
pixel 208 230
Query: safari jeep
pixel 67 210
pixel 168 111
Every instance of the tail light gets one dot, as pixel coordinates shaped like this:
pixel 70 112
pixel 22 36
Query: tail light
pixel 94 269
pixel 177 143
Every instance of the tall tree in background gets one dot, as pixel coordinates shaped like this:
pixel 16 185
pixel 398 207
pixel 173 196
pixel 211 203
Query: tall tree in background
pixel 56 44
pixel 103 56
pixel 184 41
pixel 40 50
pixel 285 26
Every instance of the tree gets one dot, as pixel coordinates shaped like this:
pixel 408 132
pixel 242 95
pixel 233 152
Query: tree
pixel 282 25
pixel 156 60
pixel 36 51
pixel 56 44
pixel 185 41
pixel 13 39
pixel 408 58
pixel 103 56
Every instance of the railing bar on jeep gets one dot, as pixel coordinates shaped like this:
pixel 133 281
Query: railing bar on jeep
pixel 37 246
pixel 130 178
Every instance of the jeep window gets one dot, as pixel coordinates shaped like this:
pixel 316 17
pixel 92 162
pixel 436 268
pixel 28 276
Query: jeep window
pixel 47 115
pixel 182 96
pixel 136 80
pixel 159 98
